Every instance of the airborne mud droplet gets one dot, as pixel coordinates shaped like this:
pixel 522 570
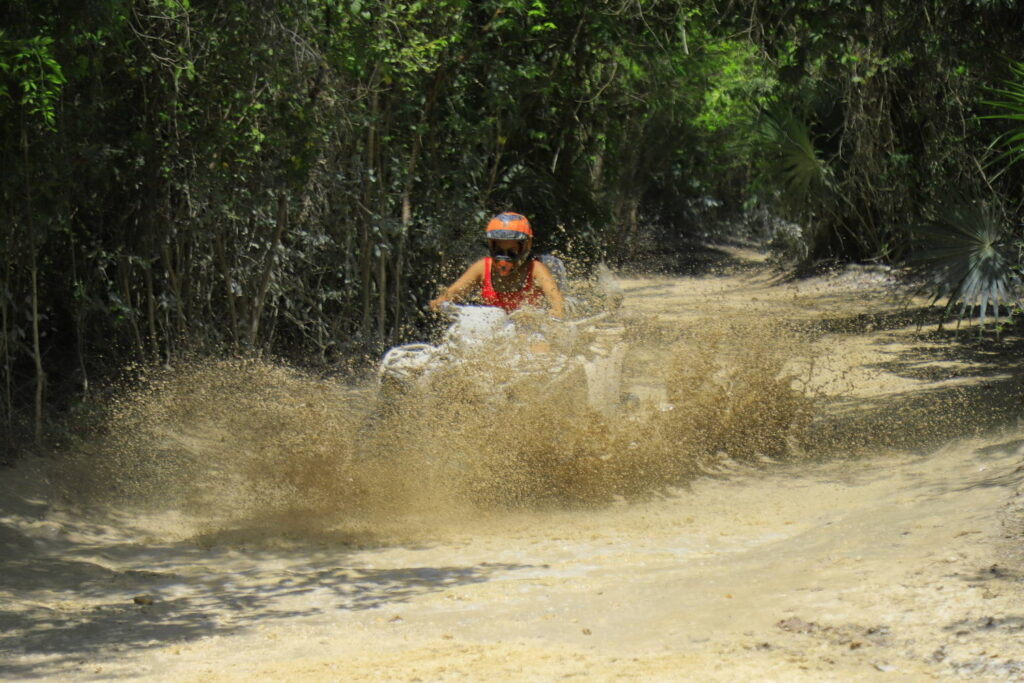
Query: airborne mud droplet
pixel 249 449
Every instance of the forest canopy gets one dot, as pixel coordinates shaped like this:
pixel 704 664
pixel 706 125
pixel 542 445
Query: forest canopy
pixel 295 176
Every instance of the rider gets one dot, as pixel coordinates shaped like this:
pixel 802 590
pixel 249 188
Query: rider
pixel 510 276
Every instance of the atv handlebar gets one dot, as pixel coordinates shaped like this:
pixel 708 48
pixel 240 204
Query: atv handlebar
pixel 451 309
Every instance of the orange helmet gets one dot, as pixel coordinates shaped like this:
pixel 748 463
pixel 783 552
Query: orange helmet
pixel 511 227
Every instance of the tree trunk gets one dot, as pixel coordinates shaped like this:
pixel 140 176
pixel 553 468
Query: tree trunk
pixel 229 295
pixel 366 251
pixel 5 350
pixel 126 293
pixel 80 309
pixel 268 269
pixel 173 278
pixel 154 337
pixel 406 223
pixel 37 352
pixel 382 295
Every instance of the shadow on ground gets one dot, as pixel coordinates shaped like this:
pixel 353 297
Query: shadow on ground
pixel 917 317
pixel 977 387
pixel 67 600
pixel 692 260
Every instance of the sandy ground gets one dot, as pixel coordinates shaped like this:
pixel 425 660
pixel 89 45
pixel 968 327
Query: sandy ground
pixel 891 553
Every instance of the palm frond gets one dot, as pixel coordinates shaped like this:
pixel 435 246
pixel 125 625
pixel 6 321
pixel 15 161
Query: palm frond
pixel 798 164
pixel 1011 104
pixel 964 257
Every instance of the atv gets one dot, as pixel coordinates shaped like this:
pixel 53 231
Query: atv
pixel 504 356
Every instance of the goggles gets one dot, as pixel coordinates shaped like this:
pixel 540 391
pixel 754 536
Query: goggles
pixel 509 253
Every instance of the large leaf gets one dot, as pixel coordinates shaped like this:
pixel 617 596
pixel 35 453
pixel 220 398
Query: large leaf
pixel 964 256
pixel 1011 104
pixel 797 163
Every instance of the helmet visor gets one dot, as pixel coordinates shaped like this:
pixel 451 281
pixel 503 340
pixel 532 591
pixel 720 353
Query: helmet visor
pixel 509 226
pixel 507 235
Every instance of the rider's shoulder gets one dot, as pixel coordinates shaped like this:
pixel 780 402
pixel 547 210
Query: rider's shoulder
pixel 551 265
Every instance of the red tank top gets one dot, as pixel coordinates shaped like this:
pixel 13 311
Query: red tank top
pixel 509 301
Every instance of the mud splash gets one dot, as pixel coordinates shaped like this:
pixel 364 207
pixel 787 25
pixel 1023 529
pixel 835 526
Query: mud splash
pixel 254 448
pixel 870 553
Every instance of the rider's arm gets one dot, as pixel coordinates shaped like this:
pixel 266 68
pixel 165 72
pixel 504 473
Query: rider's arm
pixel 546 281
pixel 473 276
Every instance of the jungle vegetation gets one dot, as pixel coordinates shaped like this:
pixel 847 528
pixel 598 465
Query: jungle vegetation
pixel 294 177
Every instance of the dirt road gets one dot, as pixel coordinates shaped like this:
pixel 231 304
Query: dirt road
pixel 889 548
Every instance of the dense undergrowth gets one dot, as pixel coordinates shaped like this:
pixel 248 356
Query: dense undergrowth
pixel 296 177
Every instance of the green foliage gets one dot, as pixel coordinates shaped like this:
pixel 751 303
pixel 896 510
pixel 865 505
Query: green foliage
pixel 1011 103
pixel 798 166
pixel 32 78
pixel 294 177
pixel 738 84
pixel 890 90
